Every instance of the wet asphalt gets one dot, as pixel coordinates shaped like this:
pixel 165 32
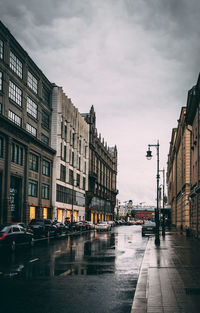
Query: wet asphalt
pixel 88 273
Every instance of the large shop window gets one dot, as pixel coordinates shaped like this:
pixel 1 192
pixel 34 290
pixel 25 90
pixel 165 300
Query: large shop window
pixel 32 212
pixel 32 188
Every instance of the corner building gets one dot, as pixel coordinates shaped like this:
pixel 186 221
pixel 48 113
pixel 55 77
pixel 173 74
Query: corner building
pixel 70 138
pixel 26 156
pixel 102 177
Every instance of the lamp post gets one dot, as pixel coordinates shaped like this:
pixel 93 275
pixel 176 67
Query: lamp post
pixel 149 156
pixel 163 221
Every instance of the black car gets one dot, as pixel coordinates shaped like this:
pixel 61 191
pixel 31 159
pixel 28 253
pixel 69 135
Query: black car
pixel 60 228
pixel 148 228
pixel 42 227
pixel 12 235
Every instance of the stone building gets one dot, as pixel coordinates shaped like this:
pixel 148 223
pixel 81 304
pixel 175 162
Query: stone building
pixel 192 118
pixel 70 138
pixel 102 180
pixel 179 174
pixel 26 156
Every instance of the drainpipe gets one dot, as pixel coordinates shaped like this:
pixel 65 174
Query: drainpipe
pixel 181 226
pixel 176 188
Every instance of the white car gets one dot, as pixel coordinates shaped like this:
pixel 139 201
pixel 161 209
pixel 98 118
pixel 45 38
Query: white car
pixel 103 226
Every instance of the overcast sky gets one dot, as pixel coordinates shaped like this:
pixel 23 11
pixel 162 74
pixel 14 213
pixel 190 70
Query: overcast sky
pixel 134 60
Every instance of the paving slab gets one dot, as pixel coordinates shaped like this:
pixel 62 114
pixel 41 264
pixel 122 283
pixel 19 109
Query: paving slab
pixel 169 279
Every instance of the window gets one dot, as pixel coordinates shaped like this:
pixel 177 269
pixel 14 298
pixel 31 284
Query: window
pixel 15 93
pixel 32 130
pixel 32 82
pixel 79 163
pixel 62 173
pixel 65 133
pixel 73 140
pixel 1 81
pixel 80 146
pixel 78 180
pixel 85 165
pixel 45 96
pixel 1 147
pixel 85 151
pixel 45 191
pixel 16 154
pixel 45 119
pixel 14 118
pixel 32 108
pixel 72 158
pixel 33 162
pixel 65 153
pixel 1 49
pixel 45 139
pixel 84 183
pixel 15 64
pixel 32 188
pixel 71 177
pixel 46 168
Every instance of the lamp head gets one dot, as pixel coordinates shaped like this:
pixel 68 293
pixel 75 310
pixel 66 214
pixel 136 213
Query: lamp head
pixel 149 155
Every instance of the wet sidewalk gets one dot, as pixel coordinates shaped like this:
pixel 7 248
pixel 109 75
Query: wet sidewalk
pixel 169 280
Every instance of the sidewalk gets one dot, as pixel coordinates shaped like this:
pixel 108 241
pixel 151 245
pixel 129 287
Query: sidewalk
pixel 169 280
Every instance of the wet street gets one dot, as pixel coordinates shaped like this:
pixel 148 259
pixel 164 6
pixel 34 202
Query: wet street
pixel 93 273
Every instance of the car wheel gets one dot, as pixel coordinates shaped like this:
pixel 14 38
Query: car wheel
pixel 13 246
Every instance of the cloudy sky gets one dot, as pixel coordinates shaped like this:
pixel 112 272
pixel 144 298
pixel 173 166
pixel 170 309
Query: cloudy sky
pixel 134 60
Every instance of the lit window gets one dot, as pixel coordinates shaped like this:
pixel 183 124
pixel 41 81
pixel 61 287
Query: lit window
pixel 32 107
pixel 32 188
pixel 32 82
pixel 14 118
pixel 15 64
pixel 15 93
pixel 32 130
pixel 1 49
pixel 45 191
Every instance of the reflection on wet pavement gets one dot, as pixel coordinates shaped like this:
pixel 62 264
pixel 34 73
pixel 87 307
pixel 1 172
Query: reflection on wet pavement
pixel 91 254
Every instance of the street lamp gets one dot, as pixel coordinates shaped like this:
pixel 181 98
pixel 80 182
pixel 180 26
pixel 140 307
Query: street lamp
pixel 163 220
pixel 149 156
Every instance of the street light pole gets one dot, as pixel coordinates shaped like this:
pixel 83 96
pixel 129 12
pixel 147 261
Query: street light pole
pixel 149 156
pixel 163 220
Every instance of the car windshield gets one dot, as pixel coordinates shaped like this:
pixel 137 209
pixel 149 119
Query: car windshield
pixel 3 226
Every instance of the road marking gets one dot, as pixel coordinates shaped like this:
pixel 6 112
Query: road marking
pixel 58 251
pixel 33 260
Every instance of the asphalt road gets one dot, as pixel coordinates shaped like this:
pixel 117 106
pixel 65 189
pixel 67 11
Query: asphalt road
pixel 90 273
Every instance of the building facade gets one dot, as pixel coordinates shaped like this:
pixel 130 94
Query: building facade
pixel 102 179
pixel 178 175
pixel 26 156
pixel 70 138
pixel 192 118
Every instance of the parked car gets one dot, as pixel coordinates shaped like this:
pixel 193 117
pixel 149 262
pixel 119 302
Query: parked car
pixel 42 227
pixel 78 226
pixel 60 227
pixel 103 226
pixel 86 224
pixel 26 227
pixel 111 223
pixel 91 225
pixel 148 228
pixel 12 235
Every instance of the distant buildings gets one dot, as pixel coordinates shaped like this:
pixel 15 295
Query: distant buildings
pixel 183 173
pixel 52 163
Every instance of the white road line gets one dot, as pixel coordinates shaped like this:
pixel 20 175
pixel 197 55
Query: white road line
pixel 33 260
pixel 58 251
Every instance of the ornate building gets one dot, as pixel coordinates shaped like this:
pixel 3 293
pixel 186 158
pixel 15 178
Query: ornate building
pixel 70 138
pixel 102 179
pixel 26 156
